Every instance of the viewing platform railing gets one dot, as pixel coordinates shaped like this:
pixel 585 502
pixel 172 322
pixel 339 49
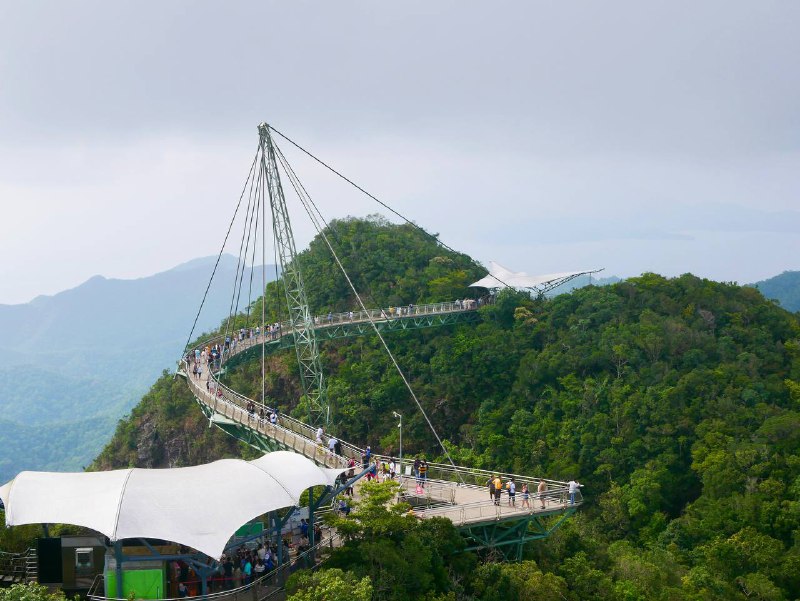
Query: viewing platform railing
pixel 452 485
pixel 264 587
pixel 333 319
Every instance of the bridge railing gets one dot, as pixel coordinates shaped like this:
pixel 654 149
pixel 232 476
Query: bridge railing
pixel 392 312
pixel 332 319
pixel 441 478
pixel 467 476
pixel 434 490
pixel 263 587
pixel 301 437
pixel 481 511
pixel 232 405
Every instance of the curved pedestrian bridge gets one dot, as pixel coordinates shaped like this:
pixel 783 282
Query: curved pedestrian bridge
pixel 460 494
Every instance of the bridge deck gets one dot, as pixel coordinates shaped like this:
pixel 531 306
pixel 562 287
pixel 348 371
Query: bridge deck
pixel 459 494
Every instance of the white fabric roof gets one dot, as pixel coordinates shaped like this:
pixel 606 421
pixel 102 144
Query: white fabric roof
pixel 200 506
pixel 500 277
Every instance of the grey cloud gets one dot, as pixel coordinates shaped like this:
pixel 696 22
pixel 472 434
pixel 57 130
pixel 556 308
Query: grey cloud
pixel 653 135
pixel 583 77
pixel 677 222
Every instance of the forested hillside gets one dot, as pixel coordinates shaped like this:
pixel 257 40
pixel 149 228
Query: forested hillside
pixel 676 402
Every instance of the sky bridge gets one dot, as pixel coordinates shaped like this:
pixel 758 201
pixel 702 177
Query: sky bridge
pixel 457 493
pixel 332 326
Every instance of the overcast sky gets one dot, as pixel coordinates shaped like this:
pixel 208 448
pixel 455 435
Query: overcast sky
pixel 635 136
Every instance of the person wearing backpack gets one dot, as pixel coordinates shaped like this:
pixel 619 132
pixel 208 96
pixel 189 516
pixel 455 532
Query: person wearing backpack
pixel 498 489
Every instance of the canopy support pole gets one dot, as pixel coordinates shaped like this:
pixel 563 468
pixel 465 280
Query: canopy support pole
pixel 118 560
pixel 311 541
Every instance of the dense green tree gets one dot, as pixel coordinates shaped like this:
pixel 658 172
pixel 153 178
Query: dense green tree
pixel 402 557
pixel 30 592
pixel 328 585
pixel 674 401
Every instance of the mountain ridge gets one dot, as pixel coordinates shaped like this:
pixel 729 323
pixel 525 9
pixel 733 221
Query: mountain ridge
pixel 86 355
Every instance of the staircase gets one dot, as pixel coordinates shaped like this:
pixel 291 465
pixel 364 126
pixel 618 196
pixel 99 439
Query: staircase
pixel 16 568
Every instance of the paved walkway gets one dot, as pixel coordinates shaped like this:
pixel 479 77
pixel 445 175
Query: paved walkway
pixel 459 494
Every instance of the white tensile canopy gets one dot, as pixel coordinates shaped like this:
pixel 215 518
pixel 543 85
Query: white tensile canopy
pixel 200 507
pixel 501 277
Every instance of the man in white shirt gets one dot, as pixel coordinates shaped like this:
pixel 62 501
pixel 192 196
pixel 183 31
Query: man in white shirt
pixel 573 488
pixel 332 445
pixel 319 435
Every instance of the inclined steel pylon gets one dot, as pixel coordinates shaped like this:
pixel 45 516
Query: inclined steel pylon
pixel 305 341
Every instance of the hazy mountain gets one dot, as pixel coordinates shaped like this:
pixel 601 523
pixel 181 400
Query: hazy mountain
pixel 785 288
pixel 581 281
pixel 77 361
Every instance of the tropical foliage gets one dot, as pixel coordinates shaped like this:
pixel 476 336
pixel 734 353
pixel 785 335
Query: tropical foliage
pixel 676 402
pixel 30 592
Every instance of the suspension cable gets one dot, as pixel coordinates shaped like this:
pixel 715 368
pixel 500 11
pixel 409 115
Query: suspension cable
pixel 380 202
pixel 253 263
pixel 263 329
pixel 219 256
pixel 328 226
pixel 253 221
pixel 321 232
pixel 240 263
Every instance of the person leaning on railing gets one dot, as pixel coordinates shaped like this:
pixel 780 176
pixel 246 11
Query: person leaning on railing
pixel 573 488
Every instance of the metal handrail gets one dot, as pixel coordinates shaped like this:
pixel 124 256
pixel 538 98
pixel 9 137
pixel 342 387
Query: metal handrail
pixel 459 476
pixel 91 593
pixel 332 319
pixel 441 478
pixel 15 565
pixel 330 541
pixel 480 510
pixel 480 476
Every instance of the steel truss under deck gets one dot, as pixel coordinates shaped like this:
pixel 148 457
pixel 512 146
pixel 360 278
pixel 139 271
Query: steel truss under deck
pixel 509 536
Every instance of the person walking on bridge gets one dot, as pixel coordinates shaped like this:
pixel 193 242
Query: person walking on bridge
pixel 526 496
pixel 498 489
pixel 540 491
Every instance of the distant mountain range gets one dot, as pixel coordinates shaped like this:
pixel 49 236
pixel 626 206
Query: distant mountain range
pixel 785 288
pixel 581 281
pixel 77 361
